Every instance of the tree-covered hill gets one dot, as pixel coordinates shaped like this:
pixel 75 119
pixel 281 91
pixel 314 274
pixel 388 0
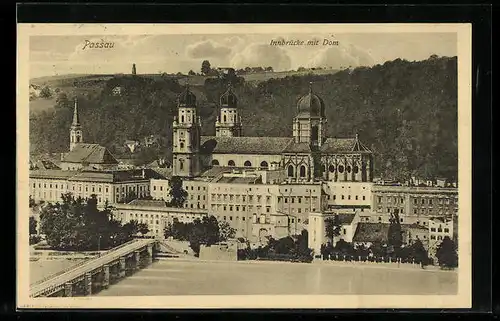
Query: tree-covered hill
pixel 405 111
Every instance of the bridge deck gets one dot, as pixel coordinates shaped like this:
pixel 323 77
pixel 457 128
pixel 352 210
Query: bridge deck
pixel 89 266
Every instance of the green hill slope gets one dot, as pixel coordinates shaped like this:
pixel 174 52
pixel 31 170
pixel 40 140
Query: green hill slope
pixel 405 111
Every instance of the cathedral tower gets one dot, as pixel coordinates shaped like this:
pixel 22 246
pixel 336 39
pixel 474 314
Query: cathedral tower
pixel 309 126
pixel 186 136
pixel 228 122
pixel 75 133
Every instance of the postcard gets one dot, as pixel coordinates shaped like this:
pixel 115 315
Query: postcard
pixel 223 166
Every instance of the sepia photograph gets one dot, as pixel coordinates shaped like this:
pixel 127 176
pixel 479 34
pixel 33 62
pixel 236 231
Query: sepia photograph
pixel 244 166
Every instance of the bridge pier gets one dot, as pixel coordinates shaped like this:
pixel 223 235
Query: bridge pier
pixel 105 281
pixel 88 283
pixel 137 260
pixel 122 267
pixel 68 289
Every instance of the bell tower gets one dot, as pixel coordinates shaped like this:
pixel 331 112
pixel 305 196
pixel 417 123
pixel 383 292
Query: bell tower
pixel 309 125
pixel 75 132
pixel 228 123
pixel 186 137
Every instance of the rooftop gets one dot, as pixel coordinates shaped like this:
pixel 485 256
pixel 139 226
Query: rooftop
pixel 148 203
pixel 371 232
pixel 344 145
pixel 245 145
pixel 90 153
pixel 97 176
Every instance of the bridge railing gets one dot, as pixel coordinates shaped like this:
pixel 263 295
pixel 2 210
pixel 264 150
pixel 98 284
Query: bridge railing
pixel 80 264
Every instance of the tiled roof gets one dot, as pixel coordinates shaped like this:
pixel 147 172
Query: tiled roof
pixel 115 176
pixel 294 147
pixel 52 173
pixel 165 173
pixel 239 180
pixel 244 145
pixel 413 226
pixel 90 153
pixel 343 145
pixel 371 232
pixel 346 218
pixel 216 170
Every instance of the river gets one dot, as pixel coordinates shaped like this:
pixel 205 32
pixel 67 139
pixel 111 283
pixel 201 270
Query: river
pixel 178 277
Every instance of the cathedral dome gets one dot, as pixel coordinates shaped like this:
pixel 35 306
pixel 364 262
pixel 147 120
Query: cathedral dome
pixel 186 98
pixel 228 98
pixel 311 105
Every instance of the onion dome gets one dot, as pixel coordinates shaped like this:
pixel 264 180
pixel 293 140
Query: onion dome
pixel 228 98
pixel 311 105
pixel 186 98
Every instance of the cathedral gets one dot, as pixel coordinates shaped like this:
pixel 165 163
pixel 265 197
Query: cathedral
pixel 307 156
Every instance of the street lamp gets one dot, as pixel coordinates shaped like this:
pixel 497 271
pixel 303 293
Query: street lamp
pixel 99 245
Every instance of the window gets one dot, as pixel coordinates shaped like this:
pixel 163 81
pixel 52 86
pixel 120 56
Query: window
pixel 348 197
pixel 348 169
pixel 182 145
pixel 334 197
pixel 181 164
pixel 446 230
pixel 342 196
pixel 302 171
pixel 247 164
pixel 380 199
pixel 344 231
pixel 433 229
pixel 215 162
pixel 364 197
pixel 433 237
pixel 356 197
pixel 182 118
pixel 290 171
pixel 331 168
pixel 440 237
pixel 263 164
pixel 340 169
pixel 355 169
pixel 230 163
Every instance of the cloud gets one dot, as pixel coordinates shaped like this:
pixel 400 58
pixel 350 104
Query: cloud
pixel 341 56
pixel 262 55
pixel 207 49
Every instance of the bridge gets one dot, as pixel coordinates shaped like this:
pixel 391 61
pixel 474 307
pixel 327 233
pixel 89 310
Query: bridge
pixel 90 276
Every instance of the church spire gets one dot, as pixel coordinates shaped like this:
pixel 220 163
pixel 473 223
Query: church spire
pixel 75 132
pixel 76 116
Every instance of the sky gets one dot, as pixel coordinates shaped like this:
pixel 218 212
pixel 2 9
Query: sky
pixel 71 54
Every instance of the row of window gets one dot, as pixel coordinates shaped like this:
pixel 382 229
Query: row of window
pixel 416 201
pixel 356 197
pixel 247 163
pixel 440 230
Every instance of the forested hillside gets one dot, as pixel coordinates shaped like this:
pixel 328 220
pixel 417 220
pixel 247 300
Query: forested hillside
pixel 405 111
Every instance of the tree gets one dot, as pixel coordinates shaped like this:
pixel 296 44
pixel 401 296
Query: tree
pixel 205 67
pixel 226 231
pixel 33 224
pixel 191 73
pixel 447 253
pixel 419 253
pixel 332 227
pixel 395 236
pixel 344 247
pixel 77 224
pixel 177 193
pixel 32 202
pixel 46 92
pixel 301 69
